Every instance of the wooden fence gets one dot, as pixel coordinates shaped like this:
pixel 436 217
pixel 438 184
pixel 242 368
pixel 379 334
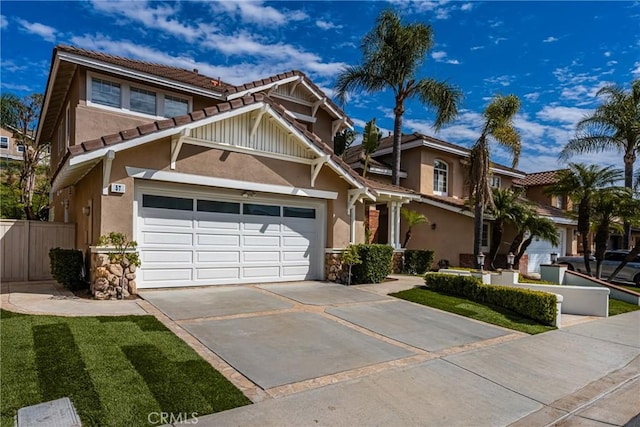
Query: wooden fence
pixel 25 245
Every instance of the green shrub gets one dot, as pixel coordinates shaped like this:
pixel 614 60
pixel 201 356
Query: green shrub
pixel 417 261
pixel 539 306
pixel 376 263
pixel 66 268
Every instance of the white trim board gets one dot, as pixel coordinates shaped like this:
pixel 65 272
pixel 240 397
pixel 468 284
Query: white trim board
pixel 207 181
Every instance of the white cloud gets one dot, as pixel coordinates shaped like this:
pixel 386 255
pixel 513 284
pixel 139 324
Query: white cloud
pixel 477 47
pixel 611 63
pixel 636 71
pixel 11 67
pixel 3 22
pixel 532 96
pixel 550 39
pixel 559 114
pixel 607 54
pixel 497 40
pixel 466 7
pixel 256 12
pixel 325 25
pixel 46 32
pixel 16 87
pixel 501 80
pixel 453 61
pixel 438 54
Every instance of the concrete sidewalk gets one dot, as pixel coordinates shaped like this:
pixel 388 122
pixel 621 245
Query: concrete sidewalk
pixel 51 298
pixel 585 375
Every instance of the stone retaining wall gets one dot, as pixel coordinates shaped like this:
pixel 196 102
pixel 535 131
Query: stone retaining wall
pixel 108 279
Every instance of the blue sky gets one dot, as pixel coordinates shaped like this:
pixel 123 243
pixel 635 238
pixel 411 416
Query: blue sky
pixel 553 55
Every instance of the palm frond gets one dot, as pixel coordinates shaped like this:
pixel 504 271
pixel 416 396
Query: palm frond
pixel 440 97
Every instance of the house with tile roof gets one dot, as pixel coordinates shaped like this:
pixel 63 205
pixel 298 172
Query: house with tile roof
pixel 218 184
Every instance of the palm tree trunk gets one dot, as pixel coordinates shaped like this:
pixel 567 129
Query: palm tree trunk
pixel 407 237
pixel 517 241
pixel 630 257
pixel 397 140
pixel 477 232
pixel 496 238
pixel 601 238
pixel 583 227
pixel 629 159
pixel 523 249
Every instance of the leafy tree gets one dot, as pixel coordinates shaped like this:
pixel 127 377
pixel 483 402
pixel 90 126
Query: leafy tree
pixel 498 126
pixel 508 207
pixel 580 183
pixel 608 207
pixel 412 218
pixel 392 54
pixel 537 227
pixel 22 116
pixel 370 142
pixel 630 210
pixel 343 140
pixel 615 124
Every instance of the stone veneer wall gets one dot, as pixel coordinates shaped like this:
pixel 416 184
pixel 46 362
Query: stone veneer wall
pixel 106 277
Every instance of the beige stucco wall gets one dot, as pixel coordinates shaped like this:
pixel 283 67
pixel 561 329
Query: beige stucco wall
pixel 117 212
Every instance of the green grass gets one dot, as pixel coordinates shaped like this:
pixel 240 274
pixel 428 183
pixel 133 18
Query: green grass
pixel 464 307
pixel 618 307
pixel 115 370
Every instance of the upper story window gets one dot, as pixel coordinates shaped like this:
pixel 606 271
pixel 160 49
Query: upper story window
pixel 440 178
pixel 559 202
pixel 105 93
pixel 495 181
pixel 175 106
pixel 142 101
pixel 117 94
pixel 4 142
pixel 20 148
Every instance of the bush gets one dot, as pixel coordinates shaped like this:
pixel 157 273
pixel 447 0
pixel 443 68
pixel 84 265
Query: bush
pixel 66 268
pixel 539 306
pixel 376 263
pixel 417 261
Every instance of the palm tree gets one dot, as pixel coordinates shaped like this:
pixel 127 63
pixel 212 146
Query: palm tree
pixel 498 126
pixel 343 140
pixel 413 218
pixel 613 125
pixel 580 183
pixel 508 207
pixel 392 53
pixel 370 141
pixel 608 206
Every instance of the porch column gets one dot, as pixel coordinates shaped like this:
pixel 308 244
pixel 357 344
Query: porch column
pixel 391 213
pixel 352 228
pixel 396 242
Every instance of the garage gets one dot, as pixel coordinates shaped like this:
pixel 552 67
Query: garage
pixel 539 251
pixel 191 238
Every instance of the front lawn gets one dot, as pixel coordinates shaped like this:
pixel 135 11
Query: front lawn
pixel 464 307
pixel 116 370
pixel 620 307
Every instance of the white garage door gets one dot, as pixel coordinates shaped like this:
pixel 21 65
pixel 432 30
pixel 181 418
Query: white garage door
pixel 186 241
pixel 539 251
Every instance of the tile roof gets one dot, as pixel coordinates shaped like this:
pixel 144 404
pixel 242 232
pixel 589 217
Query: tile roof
pixel 191 77
pixel 387 142
pixel 355 154
pixel 383 186
pixel 451 201
pixel 160 125
pixel 539 178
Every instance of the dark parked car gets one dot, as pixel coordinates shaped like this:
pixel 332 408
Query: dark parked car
pixel 612 259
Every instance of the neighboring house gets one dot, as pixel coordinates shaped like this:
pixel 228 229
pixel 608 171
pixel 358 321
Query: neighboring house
pixel 240 186
pixel 10 149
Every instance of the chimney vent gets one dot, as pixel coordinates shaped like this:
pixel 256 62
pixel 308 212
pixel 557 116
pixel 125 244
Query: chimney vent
pixel 195 70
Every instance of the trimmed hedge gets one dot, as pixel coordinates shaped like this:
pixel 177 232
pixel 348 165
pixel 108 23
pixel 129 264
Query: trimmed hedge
pixel 539 306
pixel 66 268
pixel 417 261
pixel 376 263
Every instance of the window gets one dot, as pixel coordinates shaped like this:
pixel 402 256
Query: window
pixel 440 171
pixel 142 101
pixel 299 212
pixel 175 106
pixel 111 92
pixel 20 148
pixel 263 210
pixel 67 127
pixel 163 202
pixel 495 181
pixel 219 207
pixel 4 142
pixel 105 93
pixel 485 237
pixel 559 202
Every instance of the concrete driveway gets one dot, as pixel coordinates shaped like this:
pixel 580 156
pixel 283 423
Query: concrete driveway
pixel 282 335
